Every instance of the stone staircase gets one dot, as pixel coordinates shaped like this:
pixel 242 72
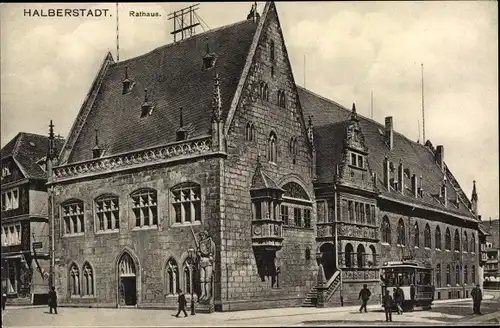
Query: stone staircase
pixel 332 285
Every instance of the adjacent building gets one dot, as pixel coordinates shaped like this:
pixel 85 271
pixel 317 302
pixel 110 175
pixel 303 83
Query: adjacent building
pixel 492 250
pixel 24 222
pixel 202 166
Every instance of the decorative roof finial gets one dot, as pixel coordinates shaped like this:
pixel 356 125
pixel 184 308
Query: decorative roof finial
pixel 96 139
pixel 126 72
pixel 217 100
pixel 146 95
pixel 354 115
pixel 474 192
pixel 181 123
pixel 51 150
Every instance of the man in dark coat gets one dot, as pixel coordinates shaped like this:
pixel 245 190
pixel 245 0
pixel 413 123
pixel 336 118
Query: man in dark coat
pixel 477 297
pixel 364 296
pixel 398 299
pixel 182 304
pixel 53 300
pixel 387 303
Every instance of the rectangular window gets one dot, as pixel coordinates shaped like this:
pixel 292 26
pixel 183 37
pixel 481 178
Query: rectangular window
pixel 345 210
pixel 307 218
pixel 360 161
pixel 351 210
pixel 368 214
pixel 186 201
pixel 331 210
pixel 107 211
pixel 73 215
pixel 10 199
pixel 357 216
pixel 284 214
pixel 297 213
pixel 11 235
pixel 372 213
pixel 353 159
pixel 362 212
pixel 145 208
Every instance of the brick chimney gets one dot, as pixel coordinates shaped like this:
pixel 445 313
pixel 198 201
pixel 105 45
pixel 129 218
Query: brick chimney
pixel 401 178
pixel 414 185
pixel 387 173
pixel 439 156
pixel 389 133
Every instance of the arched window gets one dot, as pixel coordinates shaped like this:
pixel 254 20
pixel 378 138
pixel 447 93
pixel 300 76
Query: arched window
pixel 473 243
pixel 416 237
pixel 73 217
pixel 253 133
pixel 401 233
pixel 457 274
pixel 427 236
pixel 145 207
pixel 386 230
pixel 360 256
pixel 172 277
pixel 373 260
pixel 189 273
pixel 265 92
pixel 272 148
pixel 248 132
pixel 448 275
pixel 466 242
pixel 466 275
pixel 186 201
pixel 437 237
pixel 74 280
pixel 438 275
pixel 457 241
pixel 447 239
pixel 88 280
pixel 107 213
pixel 473 275
pixel 348 255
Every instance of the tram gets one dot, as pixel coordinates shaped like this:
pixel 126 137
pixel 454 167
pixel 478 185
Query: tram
pixel 405 274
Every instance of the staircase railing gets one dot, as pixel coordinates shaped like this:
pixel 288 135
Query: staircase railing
pixel 331 286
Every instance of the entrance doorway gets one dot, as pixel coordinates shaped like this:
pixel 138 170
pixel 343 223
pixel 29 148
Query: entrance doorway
pixel 127 286
pixel 328 259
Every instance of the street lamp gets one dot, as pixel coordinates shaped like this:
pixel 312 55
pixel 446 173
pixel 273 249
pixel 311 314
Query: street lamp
pixel 192 259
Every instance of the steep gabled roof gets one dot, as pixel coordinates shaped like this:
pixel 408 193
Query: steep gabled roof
pixel 330 120
pixel 174 77
pixel 27 149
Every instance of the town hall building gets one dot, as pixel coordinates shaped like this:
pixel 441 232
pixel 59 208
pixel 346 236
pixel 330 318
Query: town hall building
pixel 202 166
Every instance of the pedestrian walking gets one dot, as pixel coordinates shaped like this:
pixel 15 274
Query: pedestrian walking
pixel 387 303
pixel 477 297
pixel 52 300
pixel 364 296
pixel 398 296
pixel 182 303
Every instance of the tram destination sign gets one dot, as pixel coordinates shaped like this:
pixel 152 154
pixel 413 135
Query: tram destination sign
pixel 37 244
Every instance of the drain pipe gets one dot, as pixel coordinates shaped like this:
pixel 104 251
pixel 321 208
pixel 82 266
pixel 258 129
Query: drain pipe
pixel 336 241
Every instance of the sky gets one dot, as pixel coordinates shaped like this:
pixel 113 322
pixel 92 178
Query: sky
pixel 344 51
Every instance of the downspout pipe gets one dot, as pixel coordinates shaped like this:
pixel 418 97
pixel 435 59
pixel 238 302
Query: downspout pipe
pixel 336 241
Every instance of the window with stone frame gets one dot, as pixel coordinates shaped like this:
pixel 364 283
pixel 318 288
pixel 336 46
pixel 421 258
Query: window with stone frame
pixel 466 275
pixel 297 214
pixel 357 160
pixel 457 274
pixel 348 254
pixel 345 210
pixel 189 271
pixel 11 234
pixel 107 213
pixel 73 217
pixel 264 91
pixel 438 275
pixel 351 211
pixel 272 148
pixel 145 207
pixel 74 280
pixel 457 241
pixel 447 240
pixel 386 230
pixel 448 275
pixel 466 242
pixel 416 236
pixel 437 238
pixel 172 271
pixel 307 218
pixel 472 243
pixel 186 201
pixel 281 98
pixel 284 214
pixel 88 280
pixel 473 275
pixel 362 218
pixel 10 199
pixel 250 132
pixel 368 214
pixel 427 236
pixel 401 231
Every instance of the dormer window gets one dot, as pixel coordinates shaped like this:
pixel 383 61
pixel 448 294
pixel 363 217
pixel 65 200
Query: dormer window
pixel 42 163
pixel 357 160
pixel 181 134
pixel 127 83
pixel 5 171
pixel 147 107
pixel 208 59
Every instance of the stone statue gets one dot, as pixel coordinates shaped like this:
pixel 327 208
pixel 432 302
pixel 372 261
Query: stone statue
pixel 205 254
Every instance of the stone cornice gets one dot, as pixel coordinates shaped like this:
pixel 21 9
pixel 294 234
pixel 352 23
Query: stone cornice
pixel 177 151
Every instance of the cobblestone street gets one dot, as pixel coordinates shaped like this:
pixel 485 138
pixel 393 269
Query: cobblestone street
pixel 442 313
